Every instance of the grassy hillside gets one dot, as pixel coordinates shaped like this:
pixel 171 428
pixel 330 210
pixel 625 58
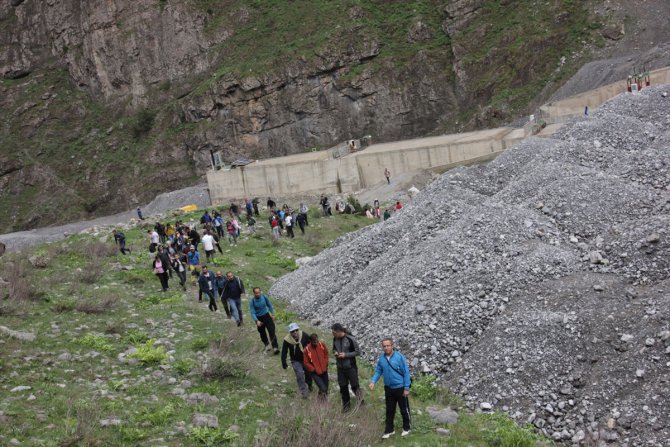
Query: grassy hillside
pixel 80 382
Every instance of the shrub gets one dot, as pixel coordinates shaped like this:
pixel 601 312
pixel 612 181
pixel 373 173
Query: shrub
pixel 113 327
pixel 98 249
pixel 504 432
pixel 63 305
pixel 92 272
pixel 200 344
pixel 97 342
pixel 143 123
pixel 184 366
pixel 96 305
pixel 273 258
pixel 148 355
pixel 135 337
pixel 210 437
pixel 424 388
pixel 353 201
pixel 225 367
pixel 323 425
pixel 21 281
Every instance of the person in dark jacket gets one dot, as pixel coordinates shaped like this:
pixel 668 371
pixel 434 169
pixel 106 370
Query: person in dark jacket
pixel 294 345
pixel 120 240
pixel 194 237
pixel 345 351
pixel 220 285
pixel 206 284
pixel 165 259
pixel 233 289
pixel 302 221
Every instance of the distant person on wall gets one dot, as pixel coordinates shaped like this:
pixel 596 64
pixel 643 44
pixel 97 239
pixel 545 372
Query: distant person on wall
pixel 206 285
pixel 345 351
pixel 139 213
pixel 262 313
pixel 120 240
pixel 397 380
pixel 294 344
pixel 315 359
pixel 233 289
pixel 387 174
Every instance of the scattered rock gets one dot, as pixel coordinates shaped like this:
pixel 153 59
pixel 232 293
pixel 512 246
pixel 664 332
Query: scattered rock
pixel 205 420
pixel 443 415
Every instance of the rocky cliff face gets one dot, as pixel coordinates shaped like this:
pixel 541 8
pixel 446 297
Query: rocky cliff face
pixel 114 101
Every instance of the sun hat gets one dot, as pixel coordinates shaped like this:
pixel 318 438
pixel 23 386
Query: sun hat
pixel 293 327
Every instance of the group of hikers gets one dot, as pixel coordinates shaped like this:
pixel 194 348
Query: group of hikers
pixel 176 251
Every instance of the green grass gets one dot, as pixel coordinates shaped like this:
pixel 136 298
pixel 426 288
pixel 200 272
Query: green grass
pixel 201 351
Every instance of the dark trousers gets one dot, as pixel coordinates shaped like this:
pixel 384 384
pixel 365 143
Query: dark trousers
pixel 302 226
pixel 394 397
pixel 224 302
pixel 219 230
pixel 212 300
pixel 346 377
pixel 289 231
pixel 122 247
pixel 268 325
pixel 163 277
pixel 182 278
pixel 321 381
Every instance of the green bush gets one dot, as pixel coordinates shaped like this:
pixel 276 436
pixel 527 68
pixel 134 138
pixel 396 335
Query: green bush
pixel 273 258
pixel 504 432
pixel 184 366
pixel 147 354
pixel 424 388
pixel 97 342
pixel 210 437
pixel 353 201
pixel 143 123
pixel 135 337
pixel 223 368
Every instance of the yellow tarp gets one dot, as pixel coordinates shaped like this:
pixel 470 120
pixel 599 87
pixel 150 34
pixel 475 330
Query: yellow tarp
pixel 189 208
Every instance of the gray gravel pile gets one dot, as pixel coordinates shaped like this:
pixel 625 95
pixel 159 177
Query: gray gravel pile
pixel 536 284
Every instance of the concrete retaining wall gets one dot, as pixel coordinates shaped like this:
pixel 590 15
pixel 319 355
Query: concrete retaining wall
pixel 313 173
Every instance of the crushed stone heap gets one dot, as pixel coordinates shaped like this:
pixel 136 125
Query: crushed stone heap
pixel 538 283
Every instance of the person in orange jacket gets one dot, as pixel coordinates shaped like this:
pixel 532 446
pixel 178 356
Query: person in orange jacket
pixel 315 359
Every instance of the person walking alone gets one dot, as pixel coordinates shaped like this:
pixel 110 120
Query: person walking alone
pixel 262 313
pixel 387 174
pixel 120 240
pixel 294 344
pixel 397 380
pixel 345 351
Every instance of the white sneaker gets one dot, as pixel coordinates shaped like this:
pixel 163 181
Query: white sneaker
pixel 405 432
pixel 388 435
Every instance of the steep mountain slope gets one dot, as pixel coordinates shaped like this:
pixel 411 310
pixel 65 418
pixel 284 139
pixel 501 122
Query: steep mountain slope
pixel 105 104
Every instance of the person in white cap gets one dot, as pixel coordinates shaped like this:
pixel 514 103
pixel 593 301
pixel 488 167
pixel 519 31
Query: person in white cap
pixel 294 344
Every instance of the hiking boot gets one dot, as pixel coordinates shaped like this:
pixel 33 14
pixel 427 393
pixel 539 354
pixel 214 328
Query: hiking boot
pixel 276 351
pixel 388 435
pixel 405 432
pixel 239 323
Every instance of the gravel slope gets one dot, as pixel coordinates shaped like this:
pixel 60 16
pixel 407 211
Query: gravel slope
pixel 536 284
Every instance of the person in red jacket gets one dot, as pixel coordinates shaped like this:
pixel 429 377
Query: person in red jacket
pixel 315 359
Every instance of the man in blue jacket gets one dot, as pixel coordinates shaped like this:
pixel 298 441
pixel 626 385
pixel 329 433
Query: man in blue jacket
pixel 262 313
pixel 393 366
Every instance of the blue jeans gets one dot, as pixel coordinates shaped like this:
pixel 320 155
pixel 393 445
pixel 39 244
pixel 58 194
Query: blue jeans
pixel 236 307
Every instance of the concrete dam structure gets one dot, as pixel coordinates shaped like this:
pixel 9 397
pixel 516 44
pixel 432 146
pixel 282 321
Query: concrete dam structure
pixel 331 172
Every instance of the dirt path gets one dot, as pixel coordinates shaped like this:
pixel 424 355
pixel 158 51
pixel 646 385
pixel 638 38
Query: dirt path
pixel 162 203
